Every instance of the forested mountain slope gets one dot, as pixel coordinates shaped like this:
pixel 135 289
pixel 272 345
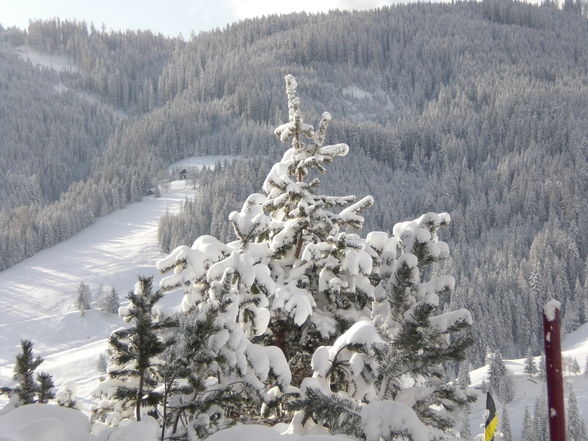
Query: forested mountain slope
pixel 478 109
pixel 55 125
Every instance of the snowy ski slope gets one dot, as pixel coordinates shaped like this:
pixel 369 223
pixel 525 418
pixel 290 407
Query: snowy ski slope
pixel 37 295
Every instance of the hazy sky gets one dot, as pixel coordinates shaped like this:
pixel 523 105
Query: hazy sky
pixel 169 17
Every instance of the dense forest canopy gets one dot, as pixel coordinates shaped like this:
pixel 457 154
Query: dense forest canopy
pixel 478 109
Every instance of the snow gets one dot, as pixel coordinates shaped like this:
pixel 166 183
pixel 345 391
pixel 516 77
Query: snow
pixel 45 422
pixel 200 162
pixel 37 295
pixel 41 422
pixel 59 63
pixel 145 430
pixel 361 333
pixel 441 323
pixel 382 418
pixel 264 433
pixel 550 308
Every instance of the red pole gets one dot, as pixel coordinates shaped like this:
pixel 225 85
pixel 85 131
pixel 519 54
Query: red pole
pixel 555 396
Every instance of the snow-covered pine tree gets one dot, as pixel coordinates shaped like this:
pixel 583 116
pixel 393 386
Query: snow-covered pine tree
pixel 109 302
pixel 541 367
pixel 505 426
pixel 83 299
pixel 575 428
pixel 484 387
pixel 528 427
pixel 112 302
pixel 296 267
pixel 102 363
pixel 228 286
pixel 500 379
pixel 465 431
pixel 46 387
pixel 321 267
pixel 132 378
pixel 463 375
pixel 540 420
pixel 530 365
pixel 65 396
pixel 381 379
pixel 24 368
pixel 27 389
pixel 193 402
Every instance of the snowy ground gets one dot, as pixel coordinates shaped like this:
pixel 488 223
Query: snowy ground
pixel 37 295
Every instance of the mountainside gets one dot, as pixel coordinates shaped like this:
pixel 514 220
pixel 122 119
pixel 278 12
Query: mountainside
pixel 478 109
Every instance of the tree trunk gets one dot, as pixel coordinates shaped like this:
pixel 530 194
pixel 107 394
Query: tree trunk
pixel 164 412
pixel 140 395
pixel 300 241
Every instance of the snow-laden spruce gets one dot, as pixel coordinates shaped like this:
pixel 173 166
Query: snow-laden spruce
pixel 300 274
pixel 133 377
pixel 392 363
pixel 301 298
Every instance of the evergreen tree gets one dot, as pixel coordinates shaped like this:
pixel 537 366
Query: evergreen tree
pixel 134 351
pixel 83 299
pixel 191 402
pixel 541 367
pixel 484 388
pixel 65 396
pixel 500 379
pixel 226 306
pixel 27 389
pixel 320 266
pixel 406 338
pixel 46 386
pixel 530 366
pixel 505 426
pixel 110 302
pixel 529 433
pixel 102 363
pixel 24 368
pixel 297 276
pixel 463 377
pixel 566 365
pixel 575 428
pixel 540 420
pixel 465 431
